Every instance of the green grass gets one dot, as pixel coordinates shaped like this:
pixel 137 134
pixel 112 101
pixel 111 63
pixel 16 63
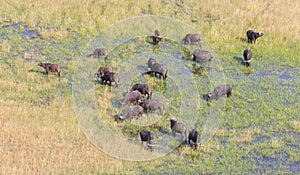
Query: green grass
pixel 259 128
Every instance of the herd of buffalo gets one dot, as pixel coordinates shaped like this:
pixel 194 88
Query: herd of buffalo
pixel 139 99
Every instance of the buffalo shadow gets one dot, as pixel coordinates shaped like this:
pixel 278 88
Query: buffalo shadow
pixel 240 60
pixel 245 40
pixel 38 71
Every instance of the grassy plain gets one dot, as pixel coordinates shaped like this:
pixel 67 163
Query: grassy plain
pixel 259 131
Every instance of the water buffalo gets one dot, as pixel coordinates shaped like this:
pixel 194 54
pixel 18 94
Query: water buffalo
pixel 131 111
pixel 156 68
pixel 201 56
pixel 220 91
pixel 252 36
pixel 147 136
pixel 153 105
pixel 177 127
pixel 132 96
pixel 99 52
pixel 50 68
pixel 195 137
pixel 143 89
pixel 192 38
pixel 110 77
pixel 247 57
pixel 102 70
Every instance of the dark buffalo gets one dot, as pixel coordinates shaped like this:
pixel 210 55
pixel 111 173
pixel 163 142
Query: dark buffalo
pixel 102 71
pixel 252 36
pixel 156 68
pixel 147 136
pixel 201 56
pixel 195 137
pixel 177 127
pixel 153 105
pixel 143 89
pixel 50 68
pixel 131 111
pixel 99 52
pixel 192 38
pixel 247 57
pixel 110 77
pixel 220 91
pixel 132 96
pixel 156 38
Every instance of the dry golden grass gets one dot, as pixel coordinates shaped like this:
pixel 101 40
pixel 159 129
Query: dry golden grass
pixel 46 140
pixel 226 16
pixel 276 143
pixel 5 48
pixel 296 125
pixel 244 135
pixel 56 34
pixel 104 100
pixel 210 147
pixel 241 135
pixel 241 138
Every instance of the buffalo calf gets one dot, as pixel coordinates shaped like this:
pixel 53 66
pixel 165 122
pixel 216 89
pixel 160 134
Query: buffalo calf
pixel 50 67
pixel 247 57
pixel 252 36
pixel 195 137
pixel 147 136
pixel 220 91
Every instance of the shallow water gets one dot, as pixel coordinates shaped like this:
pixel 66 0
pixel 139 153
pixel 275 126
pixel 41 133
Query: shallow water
pixel 278 162
pixel 19 29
